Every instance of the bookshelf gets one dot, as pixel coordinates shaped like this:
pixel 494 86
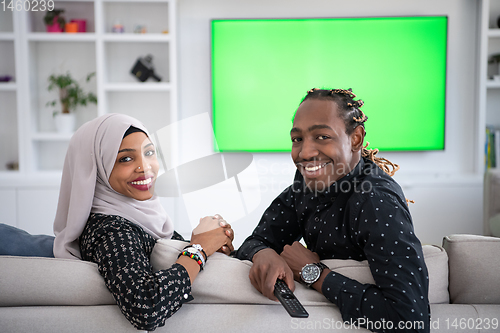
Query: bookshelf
pixel 30 55
pixel 489 85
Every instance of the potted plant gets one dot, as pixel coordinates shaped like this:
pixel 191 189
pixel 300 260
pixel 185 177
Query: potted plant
pixel 494 60
pixel 53 21
pixel 71 96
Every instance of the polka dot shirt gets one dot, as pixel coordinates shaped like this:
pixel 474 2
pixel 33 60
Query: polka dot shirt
pixel 121 251
pixel 363 216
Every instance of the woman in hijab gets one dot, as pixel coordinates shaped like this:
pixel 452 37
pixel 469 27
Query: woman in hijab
pixel 107 213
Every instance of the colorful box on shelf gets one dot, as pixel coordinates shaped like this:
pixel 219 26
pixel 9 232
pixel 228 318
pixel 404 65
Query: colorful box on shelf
pixel 82 24
pixel 71 27
pixel 75 26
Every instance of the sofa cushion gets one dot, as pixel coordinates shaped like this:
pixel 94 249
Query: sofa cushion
pixel 464 318
pixel 69 319
pixel 249 318
pixel 231 283
pixel 474 268
pixel 17 242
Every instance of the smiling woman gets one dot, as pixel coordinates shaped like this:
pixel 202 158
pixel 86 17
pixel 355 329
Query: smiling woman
pixel 136 166
pixel 108 214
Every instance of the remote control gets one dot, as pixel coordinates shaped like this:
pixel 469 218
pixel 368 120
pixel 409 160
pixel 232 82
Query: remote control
pixel 288 300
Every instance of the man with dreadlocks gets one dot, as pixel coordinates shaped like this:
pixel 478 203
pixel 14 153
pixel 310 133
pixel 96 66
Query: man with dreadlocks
pixel 345 205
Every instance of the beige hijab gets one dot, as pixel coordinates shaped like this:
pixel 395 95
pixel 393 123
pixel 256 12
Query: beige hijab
pixel 85 187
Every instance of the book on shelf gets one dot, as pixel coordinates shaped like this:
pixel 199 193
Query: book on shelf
pixel 492 147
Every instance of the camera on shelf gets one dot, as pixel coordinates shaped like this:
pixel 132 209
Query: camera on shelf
pixel 143 69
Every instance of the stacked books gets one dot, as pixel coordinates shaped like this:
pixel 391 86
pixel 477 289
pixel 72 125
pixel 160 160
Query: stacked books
pixel 492 148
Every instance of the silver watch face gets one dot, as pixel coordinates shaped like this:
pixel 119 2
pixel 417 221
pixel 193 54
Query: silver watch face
pixel 310 273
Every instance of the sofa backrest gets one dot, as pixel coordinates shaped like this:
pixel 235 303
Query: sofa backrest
pixel 225 279
pixel 47 281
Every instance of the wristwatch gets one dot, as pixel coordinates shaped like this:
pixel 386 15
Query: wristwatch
pixel 310 273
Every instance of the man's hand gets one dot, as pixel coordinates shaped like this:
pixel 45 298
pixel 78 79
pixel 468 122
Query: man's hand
pixel 267 267
pixel 297 256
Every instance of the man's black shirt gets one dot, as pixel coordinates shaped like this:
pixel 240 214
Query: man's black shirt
pixel 362 216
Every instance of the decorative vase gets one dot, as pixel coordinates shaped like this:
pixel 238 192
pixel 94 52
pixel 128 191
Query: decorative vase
pixel 54 27
pixel 71 27
pixel 65 122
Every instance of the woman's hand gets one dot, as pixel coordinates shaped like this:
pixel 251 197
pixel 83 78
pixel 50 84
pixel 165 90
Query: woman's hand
pixel 229 232
pixel 213 233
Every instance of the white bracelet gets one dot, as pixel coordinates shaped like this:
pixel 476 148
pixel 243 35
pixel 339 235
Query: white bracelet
pixel 194 250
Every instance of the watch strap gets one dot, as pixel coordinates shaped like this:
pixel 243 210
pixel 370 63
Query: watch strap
pixel 321 266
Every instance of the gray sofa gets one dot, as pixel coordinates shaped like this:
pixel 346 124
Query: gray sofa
pixel 59 295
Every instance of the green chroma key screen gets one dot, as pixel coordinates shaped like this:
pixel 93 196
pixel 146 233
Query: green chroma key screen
pixel 261 70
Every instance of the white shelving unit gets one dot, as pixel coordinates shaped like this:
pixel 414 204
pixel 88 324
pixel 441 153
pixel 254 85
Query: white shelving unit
pixel 5 36
pixel 30 55
pixel 8 86
pixel 489 89
pixel 9 93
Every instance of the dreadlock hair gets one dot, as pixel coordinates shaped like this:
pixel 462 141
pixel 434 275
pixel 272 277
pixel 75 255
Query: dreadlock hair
pixel 351 114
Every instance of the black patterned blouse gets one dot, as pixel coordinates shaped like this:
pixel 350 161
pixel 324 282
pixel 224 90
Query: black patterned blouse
pixel 122 252
pixel 362 216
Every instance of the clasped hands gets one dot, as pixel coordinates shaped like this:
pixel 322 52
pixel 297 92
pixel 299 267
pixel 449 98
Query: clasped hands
pixel 269 266
pixel 214 234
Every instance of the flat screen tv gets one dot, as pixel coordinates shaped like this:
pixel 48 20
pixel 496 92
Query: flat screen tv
pixel 262 68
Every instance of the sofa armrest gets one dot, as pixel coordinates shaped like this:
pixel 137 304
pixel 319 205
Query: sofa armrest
pixel 35 281
pixel 474 265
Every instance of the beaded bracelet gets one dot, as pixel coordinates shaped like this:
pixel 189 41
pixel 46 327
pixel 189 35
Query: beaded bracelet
pixel 193 256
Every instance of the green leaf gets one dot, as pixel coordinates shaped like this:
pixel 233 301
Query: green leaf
pixel 71 95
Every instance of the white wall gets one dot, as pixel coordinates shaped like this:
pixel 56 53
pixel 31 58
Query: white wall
pixel 446 188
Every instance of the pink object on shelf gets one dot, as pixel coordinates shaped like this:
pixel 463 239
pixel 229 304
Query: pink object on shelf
pixel 54 27
pixel 82 24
